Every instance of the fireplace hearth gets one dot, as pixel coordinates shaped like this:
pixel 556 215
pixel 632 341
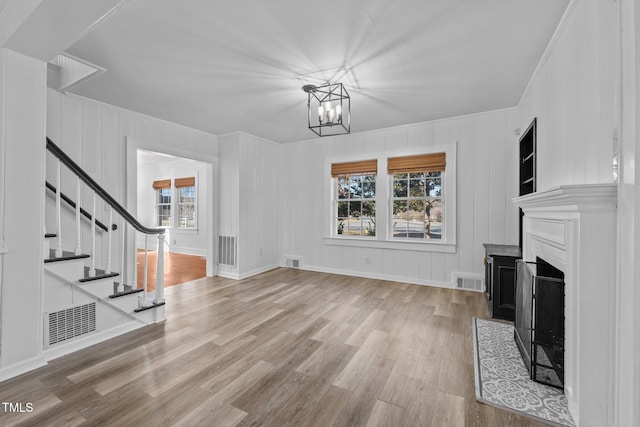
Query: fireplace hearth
pixel 539 320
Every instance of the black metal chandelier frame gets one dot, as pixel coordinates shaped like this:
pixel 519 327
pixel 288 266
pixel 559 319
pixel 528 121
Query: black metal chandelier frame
pixel 329 121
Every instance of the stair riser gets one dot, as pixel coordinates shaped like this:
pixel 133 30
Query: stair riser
pixel 70 270
pixel 127 303
pixel 101 288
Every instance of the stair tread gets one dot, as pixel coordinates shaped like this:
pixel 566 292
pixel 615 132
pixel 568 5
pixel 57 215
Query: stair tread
pixel 100 274
pixel 128 290
pixel 66 256
pixel 149 307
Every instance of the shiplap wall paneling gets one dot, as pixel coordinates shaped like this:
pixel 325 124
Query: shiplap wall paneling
pixel 574 97
pixel 482 192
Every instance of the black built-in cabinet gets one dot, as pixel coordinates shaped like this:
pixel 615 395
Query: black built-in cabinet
pixel 500 272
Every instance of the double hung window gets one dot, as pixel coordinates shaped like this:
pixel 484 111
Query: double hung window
pixel 182 207
pixel 417 199
pixel 163 202
pixel 354 198
pixel 186 202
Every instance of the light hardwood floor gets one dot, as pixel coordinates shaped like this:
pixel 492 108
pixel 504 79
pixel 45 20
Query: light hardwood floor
pixel 178 268
pixel 285 348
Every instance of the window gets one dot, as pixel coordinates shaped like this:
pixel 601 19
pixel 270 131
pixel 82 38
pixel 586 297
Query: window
pixel 413 209
pixel 417 201
pixel 355 193
pixel 417 205
pixel 186 202
pixel 163 202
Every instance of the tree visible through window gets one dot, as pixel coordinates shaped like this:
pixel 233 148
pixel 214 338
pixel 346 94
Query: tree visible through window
pixel 356 205
pixel 417 205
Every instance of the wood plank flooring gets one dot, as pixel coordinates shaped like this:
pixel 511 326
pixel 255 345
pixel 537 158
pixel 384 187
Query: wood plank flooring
pixel 178 268
pixel 285 348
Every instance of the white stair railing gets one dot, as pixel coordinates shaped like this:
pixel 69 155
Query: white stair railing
pixel 58 212
pixel 78 249
pixel 125 218
pixel 107 268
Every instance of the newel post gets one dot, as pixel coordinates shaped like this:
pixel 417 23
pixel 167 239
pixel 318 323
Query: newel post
pixel 159 295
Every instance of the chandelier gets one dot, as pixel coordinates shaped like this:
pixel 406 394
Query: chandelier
pixel 328 109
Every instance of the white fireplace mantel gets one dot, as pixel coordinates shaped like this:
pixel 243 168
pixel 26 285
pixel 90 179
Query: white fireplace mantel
pixel 573 227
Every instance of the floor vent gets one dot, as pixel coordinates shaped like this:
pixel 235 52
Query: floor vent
pixel 467 281
pixel 227 250
pixel 70 323
pixel 292 261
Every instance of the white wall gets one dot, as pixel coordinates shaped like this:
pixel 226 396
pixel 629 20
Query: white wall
pixel 250 201
pixel 22 124
pixel 574 95
pixel 585 95
pixel 94 135
pixel 486 182
pixel 191 242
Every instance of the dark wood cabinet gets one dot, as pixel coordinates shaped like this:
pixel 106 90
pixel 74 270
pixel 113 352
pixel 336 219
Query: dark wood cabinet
pixel 500 275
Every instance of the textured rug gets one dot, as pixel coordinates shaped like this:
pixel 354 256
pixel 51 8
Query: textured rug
pixel 502 379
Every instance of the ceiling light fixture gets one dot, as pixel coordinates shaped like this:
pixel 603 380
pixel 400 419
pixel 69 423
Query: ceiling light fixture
pixel 328 109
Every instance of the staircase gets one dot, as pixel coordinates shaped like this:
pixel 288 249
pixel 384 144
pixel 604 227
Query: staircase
pixel 85 300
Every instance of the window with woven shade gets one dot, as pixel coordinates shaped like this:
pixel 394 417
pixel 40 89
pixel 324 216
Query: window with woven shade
pixel 417 198
pixel 163 202
pixel 354 197
pixel 186 203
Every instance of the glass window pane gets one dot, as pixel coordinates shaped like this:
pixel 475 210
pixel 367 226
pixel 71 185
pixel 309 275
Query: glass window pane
pixel 369 186
pixel 416 175
pixel 187 195
pixel 355 209
pixel 434 188
pixel 434 211
pixel 399 228
pixel 341 225
pixel 369 218
pixel 399 209
pixel 343 187
pixel 343 209
pixel 400 188
pixel 416 188
pixel 353 227
pixel 355 187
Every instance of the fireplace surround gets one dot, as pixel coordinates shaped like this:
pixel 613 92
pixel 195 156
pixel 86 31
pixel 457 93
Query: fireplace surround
pixel 573 228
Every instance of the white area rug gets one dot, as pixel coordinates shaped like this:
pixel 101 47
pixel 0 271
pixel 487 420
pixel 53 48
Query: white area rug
pixel 502 379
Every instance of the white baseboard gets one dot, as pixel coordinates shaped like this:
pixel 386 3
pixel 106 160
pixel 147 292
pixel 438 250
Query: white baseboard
pixel 87 341
pixel 388 277
pixel 21 367
pixel 240 276
pixel 188 251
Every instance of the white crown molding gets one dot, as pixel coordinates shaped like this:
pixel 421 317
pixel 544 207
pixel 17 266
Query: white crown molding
pixel 582 197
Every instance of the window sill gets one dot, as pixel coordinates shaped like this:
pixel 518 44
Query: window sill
pixel 364 242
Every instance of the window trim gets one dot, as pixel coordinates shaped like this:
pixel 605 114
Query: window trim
pixel 384 183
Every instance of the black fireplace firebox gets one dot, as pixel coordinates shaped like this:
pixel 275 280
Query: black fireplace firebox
pixel 539 320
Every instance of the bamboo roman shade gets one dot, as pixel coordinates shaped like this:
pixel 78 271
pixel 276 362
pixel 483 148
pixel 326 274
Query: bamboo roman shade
pixel 158 185
pixel 362 167
pixel 433 162
pixel 185 182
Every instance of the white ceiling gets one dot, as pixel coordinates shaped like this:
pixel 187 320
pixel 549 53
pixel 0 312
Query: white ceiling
pixel 240 65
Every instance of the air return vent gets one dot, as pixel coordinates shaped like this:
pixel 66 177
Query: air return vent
pixel 467 281
pixel 227 250
pixel 292 261
pixel 70 323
